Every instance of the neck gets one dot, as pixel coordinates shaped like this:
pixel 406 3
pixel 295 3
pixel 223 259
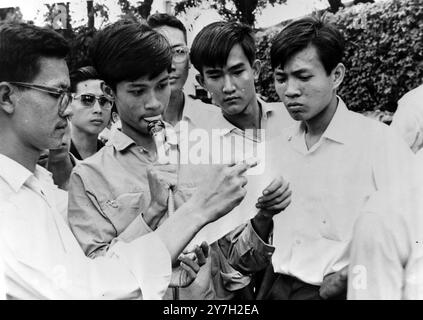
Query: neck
pixel 12 147
pixel 175 108
pixel 143 140
pixel 250 118
pixel 85 143
pixel 318 124
pixel 61 168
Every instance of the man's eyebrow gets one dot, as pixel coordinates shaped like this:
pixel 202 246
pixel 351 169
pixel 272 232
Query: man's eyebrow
pixel 298 71
pixel 142 84
pixel 302 70
pixel 137 84
pixel 179 45
pixel 213 70
pixel 237 66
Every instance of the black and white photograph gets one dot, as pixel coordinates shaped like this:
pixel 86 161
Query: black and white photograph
pixel 222 153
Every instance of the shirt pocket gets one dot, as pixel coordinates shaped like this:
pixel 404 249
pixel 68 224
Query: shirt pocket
pixel 122 210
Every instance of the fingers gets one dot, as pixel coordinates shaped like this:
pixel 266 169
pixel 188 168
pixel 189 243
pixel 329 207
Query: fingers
pixel 190 264
pixel 275 201
pixel 164 178
pixel 280 206
pixel 188 278
pixel 201 258
pixel 241 167
pixel 273 186
pixel 281 191
pixel 205 247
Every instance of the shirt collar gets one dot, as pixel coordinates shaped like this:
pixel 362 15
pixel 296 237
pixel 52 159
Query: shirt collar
pixel 219 121
pixel 16 174
pixel 336 130
pixel 266 108
pixel 121 141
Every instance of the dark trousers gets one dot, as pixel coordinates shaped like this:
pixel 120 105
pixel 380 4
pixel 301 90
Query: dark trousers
pixel 276 286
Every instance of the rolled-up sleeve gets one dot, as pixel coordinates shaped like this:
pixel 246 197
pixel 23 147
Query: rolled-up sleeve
pixel 245 250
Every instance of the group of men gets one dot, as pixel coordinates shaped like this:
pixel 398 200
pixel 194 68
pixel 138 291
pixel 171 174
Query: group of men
pixel 338 218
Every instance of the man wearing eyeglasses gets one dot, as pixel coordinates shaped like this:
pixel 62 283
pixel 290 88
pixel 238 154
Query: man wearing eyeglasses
pixel 42 259
pixel 181 106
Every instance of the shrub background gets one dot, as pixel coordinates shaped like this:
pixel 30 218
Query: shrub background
pixel 383 56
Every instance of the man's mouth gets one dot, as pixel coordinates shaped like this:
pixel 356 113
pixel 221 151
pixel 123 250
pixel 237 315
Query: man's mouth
pixel 97 121
pixel 153 118
pixel 231 99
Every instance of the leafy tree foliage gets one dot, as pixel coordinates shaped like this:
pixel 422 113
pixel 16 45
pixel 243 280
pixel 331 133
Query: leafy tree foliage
pixel 138 12
pixel 238 10
pixel 383 58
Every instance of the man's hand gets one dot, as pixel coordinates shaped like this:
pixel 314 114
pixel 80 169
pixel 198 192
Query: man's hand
pixel 189 266
pixel 334 284
pixel 160 180
pixel 221 192
pixel 276 197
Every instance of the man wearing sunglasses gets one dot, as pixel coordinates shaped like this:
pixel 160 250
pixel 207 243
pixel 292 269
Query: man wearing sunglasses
pixel 42 259
pixel 91 112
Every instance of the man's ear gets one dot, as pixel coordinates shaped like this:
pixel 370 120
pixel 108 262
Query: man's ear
pixel 200 80
pixel 115 117
pixel 7 102
pixel 256 69
pixel 338 74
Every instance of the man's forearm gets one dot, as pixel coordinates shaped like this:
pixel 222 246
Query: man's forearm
pixel 180 228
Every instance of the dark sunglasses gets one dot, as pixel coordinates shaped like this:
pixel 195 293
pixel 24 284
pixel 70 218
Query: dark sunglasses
pixel 89 99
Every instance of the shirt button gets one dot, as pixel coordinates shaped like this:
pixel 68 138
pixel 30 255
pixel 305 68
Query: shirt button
pixel 298 241
pixel 289 138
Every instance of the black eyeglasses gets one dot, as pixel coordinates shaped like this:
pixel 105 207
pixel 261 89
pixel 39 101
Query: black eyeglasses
pixel 65 96
pixel 89 99
pixel 180 54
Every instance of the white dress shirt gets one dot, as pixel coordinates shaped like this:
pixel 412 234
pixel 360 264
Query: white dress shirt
pixel 330 182
pixel 43 260
pixel 408 119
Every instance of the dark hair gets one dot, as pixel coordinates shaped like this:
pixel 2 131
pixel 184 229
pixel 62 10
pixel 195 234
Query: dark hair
pixel 21 47
pixel 304 32
pixel 126 51
pixel 158 20
pixel 212 45
pixel 82 74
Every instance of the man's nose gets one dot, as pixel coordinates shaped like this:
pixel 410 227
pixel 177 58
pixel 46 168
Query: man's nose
pixel 228 86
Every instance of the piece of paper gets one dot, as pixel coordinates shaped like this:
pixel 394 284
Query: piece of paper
pixel 258 179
